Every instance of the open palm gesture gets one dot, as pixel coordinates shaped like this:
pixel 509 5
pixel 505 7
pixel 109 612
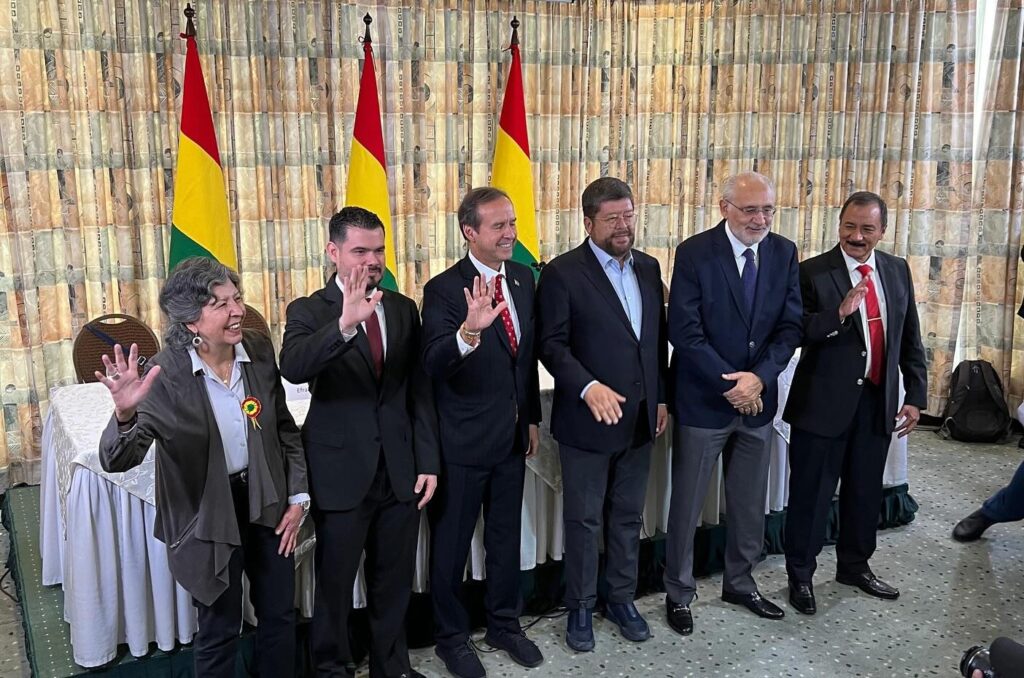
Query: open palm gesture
pixel 482 311
pixel 127 388
pixel 356 306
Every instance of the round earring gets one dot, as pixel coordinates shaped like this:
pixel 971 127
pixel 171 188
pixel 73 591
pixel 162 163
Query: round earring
pixel 196 340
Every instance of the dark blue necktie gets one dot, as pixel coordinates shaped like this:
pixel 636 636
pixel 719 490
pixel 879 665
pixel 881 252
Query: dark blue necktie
pixel 749 279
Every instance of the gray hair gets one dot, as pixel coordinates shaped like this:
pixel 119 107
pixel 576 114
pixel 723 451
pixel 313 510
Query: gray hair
pixel 186 291
pixel 729 185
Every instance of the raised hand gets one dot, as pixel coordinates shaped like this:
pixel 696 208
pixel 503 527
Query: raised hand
pixel 853 298
pixel 122 378
pixel 356 307
pixel 480 314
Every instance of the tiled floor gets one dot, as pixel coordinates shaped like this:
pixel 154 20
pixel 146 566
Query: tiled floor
pixel 12 637
pixel 953 596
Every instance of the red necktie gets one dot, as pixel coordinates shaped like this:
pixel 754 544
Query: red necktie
pixel 506 316
pixel 876 333
pixel 376 343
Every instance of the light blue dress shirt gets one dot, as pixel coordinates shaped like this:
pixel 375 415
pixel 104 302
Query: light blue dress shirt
pixel 624 282
pixel 226 402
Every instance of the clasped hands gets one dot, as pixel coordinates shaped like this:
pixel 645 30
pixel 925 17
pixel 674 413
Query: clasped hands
pixel 745 396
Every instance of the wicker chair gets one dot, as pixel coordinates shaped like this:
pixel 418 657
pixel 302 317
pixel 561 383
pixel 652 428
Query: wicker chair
pixel 254 320
pixel 97 336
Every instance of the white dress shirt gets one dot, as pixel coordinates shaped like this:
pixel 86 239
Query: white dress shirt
pixel 739 248
pixel 378 309
pixel 855 278
pixel 488 274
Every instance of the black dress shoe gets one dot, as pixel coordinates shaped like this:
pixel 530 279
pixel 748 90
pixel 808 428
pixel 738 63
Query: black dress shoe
pixel 680 619
pixel 801 597
pixel 461 661
pixel 755 603
pixel 521 649
pixel 972 527
pixel 869 584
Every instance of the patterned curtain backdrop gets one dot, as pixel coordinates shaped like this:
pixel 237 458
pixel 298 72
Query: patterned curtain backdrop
pixel 827 96
pixel 994 289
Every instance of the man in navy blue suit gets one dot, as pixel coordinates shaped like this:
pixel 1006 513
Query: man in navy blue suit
pixel 601 334
pixel 734 323
pixel 478 348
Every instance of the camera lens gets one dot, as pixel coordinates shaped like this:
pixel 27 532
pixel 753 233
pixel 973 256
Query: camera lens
pixel 976 659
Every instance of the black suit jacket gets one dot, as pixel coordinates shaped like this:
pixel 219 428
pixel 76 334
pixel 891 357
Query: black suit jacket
pixel 353 416
pixel 830 376
pixel 486 400
pixel 585 335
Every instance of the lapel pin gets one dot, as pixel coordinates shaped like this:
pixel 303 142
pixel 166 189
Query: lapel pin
pixel 515 282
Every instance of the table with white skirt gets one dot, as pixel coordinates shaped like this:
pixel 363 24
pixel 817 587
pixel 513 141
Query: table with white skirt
pixel 96 528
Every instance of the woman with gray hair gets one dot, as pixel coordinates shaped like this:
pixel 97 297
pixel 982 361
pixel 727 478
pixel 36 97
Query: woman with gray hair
pixel 230 471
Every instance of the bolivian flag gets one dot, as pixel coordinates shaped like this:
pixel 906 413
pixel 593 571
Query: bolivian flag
pixel 511 168
pixel 200 225
pixel 367 177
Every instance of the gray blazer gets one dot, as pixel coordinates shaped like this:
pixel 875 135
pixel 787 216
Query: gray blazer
pixel 193 494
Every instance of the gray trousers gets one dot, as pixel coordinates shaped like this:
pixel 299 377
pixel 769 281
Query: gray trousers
pixel 602 490
pixel 694 451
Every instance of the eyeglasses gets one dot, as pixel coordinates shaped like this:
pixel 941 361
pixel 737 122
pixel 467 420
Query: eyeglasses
pixel 767 212
pixel 613 219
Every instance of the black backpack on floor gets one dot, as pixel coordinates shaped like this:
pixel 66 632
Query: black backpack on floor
pixel 976 411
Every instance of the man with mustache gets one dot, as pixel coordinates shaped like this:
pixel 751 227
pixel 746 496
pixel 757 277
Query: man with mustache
pixel 860 331
pixel 478 349
pixel 601 335
pixel 734 322
pixel 371 444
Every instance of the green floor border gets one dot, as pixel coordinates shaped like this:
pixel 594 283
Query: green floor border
pixel 48 638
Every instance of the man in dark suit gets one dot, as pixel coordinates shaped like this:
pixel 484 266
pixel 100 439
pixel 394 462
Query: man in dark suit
pixel 860 331
pixel 478 349
pixel 371 443
pixel 734 322
pixel 602 336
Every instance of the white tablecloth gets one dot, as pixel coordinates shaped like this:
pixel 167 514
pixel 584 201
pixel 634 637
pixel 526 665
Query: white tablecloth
pixel 118 589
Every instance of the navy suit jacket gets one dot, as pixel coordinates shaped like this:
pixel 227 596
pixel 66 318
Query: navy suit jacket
pixel 487 399
pixel 713 334
pixel 585 335
pixel 830 376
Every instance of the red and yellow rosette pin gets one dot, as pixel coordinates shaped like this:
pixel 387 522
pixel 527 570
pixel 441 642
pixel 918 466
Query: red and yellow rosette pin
pixel 252 408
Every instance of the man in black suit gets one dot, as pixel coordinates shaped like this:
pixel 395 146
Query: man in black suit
pixel 478 349
pixel 734 322
pixel 371 443
pixel 860 331
pixel 602 336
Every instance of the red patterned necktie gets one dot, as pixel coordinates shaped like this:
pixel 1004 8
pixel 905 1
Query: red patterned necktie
pixel 373 336
pixel 876 333
pixel 506 316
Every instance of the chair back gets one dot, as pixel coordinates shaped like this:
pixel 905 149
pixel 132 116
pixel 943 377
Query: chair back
pixel 254 320
pixel 99 335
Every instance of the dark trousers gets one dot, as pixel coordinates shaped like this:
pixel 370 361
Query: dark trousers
pixel 603 495
pixel 454 512
pixel 816 463
pixel 386 528
pixel 272 591
pixel 1007 505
